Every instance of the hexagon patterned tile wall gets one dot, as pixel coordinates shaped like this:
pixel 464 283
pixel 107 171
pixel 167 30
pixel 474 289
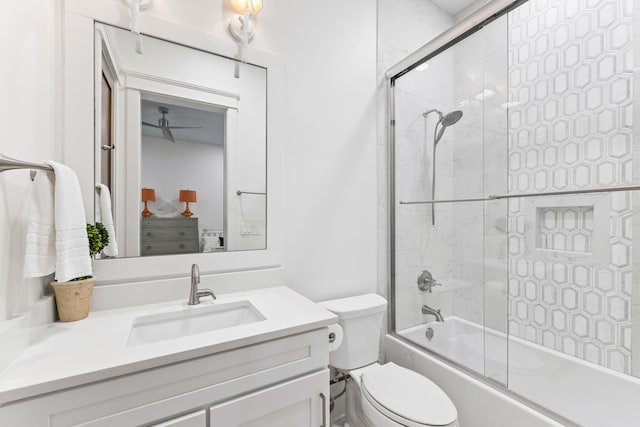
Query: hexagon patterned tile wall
pixel 570 127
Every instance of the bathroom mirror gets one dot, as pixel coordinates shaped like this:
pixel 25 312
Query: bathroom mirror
pixel 178 131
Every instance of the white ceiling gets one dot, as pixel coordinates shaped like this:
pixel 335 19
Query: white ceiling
pixel 211 123
pixel 453 7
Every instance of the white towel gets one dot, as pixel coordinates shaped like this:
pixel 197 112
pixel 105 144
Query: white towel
pixel 72 245
pixel 104 215
pixel 40 246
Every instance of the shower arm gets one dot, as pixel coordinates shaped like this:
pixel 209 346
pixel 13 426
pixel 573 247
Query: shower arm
pixel 433 110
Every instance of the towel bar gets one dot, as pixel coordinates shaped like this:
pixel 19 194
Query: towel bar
pixel 7 163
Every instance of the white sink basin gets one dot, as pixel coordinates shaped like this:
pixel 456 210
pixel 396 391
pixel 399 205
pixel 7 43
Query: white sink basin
pixel 191 321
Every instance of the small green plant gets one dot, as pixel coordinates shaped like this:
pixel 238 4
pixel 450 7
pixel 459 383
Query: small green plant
pixel 98 238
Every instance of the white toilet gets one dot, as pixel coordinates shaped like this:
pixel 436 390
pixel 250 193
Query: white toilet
pixel 382 395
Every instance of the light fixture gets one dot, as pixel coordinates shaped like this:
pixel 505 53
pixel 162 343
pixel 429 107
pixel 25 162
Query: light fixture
pixel 252 6
pixel 148 195
pixel 187 196
pixel 241 27
pixel 136 6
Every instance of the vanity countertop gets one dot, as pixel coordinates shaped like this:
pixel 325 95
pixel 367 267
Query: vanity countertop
pixel 95 349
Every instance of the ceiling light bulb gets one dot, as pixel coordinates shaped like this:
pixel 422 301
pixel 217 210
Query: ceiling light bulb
pixel 252 6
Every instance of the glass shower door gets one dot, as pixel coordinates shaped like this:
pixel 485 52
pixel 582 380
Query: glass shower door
pixel 450 145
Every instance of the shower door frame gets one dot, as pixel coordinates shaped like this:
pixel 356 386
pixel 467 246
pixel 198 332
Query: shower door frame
pixel 444 41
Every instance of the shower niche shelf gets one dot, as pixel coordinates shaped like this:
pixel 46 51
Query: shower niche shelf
pixel 570 228
pixel 565 229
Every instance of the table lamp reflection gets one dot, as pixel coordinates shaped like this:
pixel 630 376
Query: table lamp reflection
pixel 187 196
pixel 148 195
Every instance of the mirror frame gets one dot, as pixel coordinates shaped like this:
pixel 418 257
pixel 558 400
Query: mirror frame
pixel 78 128
pixel 212 85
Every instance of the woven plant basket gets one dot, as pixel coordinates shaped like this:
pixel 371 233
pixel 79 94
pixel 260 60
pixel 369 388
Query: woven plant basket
pixel 73 299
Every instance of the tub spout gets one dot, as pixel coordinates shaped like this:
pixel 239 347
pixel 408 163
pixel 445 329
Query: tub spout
pixel 428 310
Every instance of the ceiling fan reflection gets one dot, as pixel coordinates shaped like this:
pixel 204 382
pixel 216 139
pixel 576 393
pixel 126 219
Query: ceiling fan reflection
pixel 163 124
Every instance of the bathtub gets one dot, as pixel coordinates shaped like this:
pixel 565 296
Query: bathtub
pixel 579 391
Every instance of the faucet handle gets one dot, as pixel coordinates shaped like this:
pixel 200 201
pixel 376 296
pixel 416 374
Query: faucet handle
pixel 426 281
pixel 205 293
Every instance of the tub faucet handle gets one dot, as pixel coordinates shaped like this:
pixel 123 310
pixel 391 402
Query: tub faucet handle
pixel 426 282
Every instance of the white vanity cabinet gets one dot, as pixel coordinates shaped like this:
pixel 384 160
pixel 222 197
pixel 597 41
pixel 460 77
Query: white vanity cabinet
pixel 274 383
pixel 296 403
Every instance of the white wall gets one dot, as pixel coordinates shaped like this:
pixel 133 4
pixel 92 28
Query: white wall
pixel 329 53
pixel 30 125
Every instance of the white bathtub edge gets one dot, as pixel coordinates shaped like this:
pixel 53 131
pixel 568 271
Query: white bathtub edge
pixel 478 404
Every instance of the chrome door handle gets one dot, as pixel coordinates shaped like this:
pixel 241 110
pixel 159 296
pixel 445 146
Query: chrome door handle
pixel 107 147
pixel 323 399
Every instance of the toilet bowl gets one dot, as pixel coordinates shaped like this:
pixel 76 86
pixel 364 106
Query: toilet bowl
pixel 390 395
pixel 382 395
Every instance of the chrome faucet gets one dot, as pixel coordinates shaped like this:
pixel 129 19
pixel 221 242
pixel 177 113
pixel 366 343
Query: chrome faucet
pixel 428 310
pixel 195 294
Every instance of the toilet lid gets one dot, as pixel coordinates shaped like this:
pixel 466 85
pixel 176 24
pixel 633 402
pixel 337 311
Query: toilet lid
pixel 407 395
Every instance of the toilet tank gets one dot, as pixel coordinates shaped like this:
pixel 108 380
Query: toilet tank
pixel 361 320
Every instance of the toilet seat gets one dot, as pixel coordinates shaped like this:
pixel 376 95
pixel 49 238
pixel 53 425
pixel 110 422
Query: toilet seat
pixel 407 397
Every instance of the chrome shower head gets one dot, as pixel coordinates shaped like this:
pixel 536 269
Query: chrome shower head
pixel 447 120
pixel 451 118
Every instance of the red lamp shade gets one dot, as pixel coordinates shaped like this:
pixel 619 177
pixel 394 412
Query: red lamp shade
pixel 148 195
pixel 188 196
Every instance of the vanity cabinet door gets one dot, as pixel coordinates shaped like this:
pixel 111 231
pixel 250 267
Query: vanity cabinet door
pixel 295 403
pixel 195 419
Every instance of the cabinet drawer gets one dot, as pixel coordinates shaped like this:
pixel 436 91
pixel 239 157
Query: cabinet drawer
pixel 170 233
pixel 169 222
pixel 169 247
